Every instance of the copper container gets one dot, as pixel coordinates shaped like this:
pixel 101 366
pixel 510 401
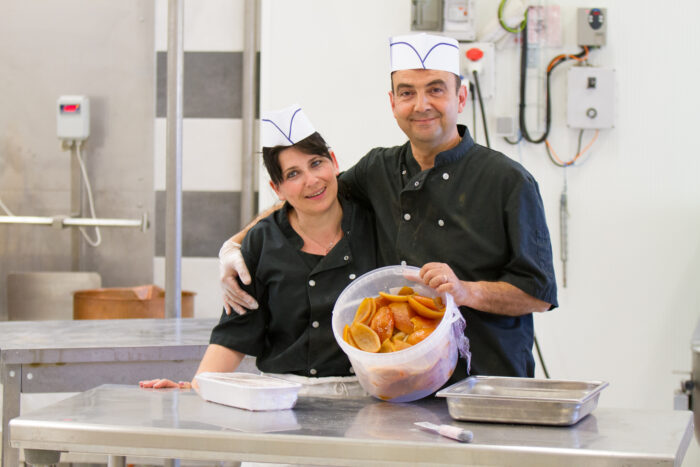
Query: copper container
pixel 146 301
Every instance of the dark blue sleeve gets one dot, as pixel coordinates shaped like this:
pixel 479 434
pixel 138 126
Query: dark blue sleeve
pixel 530 268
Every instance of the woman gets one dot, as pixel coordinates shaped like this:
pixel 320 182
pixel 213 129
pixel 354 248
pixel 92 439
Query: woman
pixel 301 258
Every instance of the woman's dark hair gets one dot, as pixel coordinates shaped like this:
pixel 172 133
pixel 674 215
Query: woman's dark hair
pixel 313 144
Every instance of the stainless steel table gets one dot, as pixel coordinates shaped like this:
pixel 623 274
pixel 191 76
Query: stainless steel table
pixel 66 356
pixel 126 420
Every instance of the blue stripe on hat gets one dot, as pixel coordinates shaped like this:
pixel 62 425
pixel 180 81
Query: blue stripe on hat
pixel 422 60
pixel 291 123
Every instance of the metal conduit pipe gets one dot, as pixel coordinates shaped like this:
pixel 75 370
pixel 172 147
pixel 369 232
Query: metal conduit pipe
pixel 173 170
pixel 249 86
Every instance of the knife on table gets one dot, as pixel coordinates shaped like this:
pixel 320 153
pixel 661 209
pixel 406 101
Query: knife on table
pixel 448 431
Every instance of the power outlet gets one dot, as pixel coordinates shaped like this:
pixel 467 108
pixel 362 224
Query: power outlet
pixel 479 57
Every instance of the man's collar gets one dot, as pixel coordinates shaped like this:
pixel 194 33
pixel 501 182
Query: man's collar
pixel 455 153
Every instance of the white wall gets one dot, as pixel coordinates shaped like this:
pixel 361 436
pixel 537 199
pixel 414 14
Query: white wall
pixel 632 299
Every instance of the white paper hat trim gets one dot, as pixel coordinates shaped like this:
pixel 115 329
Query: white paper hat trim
pixel 284 127
pixel 424 51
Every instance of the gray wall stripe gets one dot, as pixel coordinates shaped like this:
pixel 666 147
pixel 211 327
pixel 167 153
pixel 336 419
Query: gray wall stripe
pixel 208 218
pixel 212 84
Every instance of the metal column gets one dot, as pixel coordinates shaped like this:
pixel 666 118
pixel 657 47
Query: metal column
pixel 173 210
pixel 249 86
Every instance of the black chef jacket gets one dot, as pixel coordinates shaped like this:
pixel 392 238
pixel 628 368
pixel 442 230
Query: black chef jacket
pixel 478 211
pixel 291 330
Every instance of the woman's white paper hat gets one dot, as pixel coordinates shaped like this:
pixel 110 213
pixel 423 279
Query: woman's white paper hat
pixel 284 127
pixel 424 51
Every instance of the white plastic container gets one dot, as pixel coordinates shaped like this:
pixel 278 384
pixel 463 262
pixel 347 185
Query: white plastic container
pixel 248 391
pixel 408 374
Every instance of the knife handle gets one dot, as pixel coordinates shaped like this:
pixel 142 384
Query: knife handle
pixel 453 432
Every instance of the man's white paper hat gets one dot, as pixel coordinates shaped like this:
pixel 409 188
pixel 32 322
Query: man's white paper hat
pixel 424 51
pixel 284 127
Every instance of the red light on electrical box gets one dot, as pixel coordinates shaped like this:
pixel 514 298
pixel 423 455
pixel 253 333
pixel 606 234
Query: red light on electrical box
pixel 475 54
pixel 70 108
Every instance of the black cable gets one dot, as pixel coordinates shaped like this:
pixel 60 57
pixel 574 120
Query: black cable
pixel 539 355
pixel 473 95
pixel 483 111
pixel 580 137
pixel 523 82
pixel 548 102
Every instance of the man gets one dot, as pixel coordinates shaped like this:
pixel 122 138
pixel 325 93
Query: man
pixel 471 216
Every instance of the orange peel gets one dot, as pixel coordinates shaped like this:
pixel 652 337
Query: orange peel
pixel 365 338
pixel 424 310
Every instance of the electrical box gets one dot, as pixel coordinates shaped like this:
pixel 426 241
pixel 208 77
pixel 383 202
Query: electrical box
pixel 591 98
pixel 426 15
pixel 592 26
pixel 459 20
pixel 73 118
pixel 479 56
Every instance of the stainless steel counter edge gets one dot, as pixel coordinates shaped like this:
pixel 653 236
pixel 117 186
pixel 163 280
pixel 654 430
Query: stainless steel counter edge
pixel 205 445
pixel 104 354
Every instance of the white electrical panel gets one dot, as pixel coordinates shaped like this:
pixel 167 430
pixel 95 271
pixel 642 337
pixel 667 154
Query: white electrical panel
pixel 591 98
pixel 73 118
pixel 459 20
pixel 479 57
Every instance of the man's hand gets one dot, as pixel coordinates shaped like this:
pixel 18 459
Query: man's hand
pixel 441 277
pixel 498 297
pixel 231 266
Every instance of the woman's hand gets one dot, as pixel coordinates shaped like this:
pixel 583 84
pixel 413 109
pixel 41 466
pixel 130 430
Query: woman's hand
pixel 439 276
pixel 164 384
pixel 231 266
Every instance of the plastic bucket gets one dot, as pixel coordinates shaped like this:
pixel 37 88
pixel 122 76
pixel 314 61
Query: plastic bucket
pixel 408 374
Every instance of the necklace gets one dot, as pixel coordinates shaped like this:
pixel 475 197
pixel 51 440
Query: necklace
pixel 328 248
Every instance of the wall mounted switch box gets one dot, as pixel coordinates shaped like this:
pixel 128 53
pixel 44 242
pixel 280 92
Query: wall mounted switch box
pixel 590 98
pixel 426 15
pixel 592 26
pixel 479 57
pixel 459 20
pixel 73 118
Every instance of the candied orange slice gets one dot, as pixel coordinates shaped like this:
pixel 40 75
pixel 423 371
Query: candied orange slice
pixel 365 311
pixel 424 310
pixel 418 336
pixel 387 346
pixel 406 290
pixel 400 345
pixel 402 316
pixel 432 303
pixel 394 298
pixel 380 302
pixel 347 337
pixel 419 322
pixel 365 338
pixel 399 336
pixel 383 323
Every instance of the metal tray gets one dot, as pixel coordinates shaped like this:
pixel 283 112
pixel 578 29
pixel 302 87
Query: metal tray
pixel 521 400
